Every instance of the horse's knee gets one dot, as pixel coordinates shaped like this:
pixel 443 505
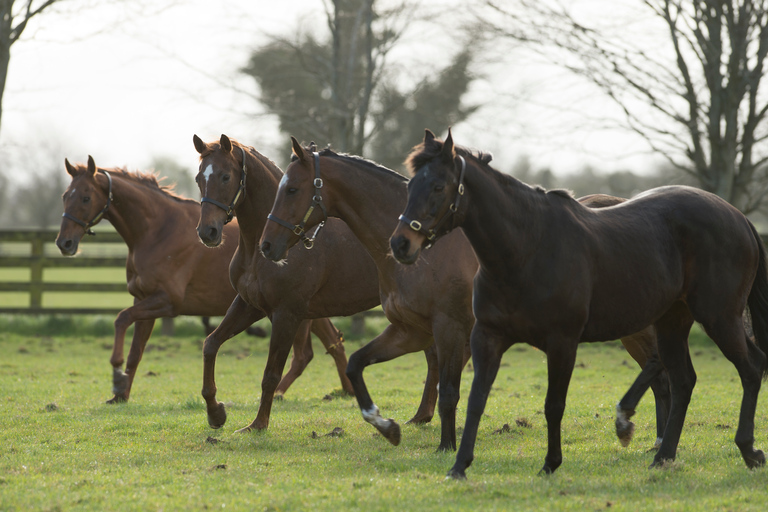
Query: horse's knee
pixel 355 366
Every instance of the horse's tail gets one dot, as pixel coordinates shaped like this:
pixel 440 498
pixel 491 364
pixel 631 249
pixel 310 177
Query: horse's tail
pixel 758 300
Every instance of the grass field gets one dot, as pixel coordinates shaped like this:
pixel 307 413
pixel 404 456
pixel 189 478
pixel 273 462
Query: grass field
pixel 63 448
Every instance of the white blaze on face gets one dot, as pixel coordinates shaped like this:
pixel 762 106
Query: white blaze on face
pixel 207 174
pixel 283 181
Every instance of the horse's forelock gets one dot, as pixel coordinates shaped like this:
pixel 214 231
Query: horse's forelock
pixel 421 155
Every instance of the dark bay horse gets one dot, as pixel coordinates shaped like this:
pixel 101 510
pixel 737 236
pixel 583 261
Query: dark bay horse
pixel 335 278
pixel 430 301
pixel 554 273
pixel 169 272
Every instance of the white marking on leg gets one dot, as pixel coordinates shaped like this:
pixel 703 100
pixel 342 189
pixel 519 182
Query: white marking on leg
pixel 373 417
pixel 657 445
pixel 621 415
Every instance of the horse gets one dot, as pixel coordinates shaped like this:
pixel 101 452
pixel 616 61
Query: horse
pixel 430 302
pixel 169 272
pixel 554 273
pixel 335 278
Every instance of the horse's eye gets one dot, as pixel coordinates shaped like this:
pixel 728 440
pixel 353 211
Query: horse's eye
pixel 291 190
pixel 439 188
pixel 87 199
pixel 225 178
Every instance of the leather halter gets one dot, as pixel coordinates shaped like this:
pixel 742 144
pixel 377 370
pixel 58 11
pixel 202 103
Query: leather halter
pixel 317 200
pixel 231 208
pixel 88 225
pixel 431 234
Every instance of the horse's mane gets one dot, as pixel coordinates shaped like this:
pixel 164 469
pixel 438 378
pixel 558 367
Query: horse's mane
pixel 420 155
pixel 148 179
pixel 369 164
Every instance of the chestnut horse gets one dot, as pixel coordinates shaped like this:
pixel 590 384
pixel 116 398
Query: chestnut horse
pixel 169 272
pixel 335 278
pixel 554 273
pixel 430 301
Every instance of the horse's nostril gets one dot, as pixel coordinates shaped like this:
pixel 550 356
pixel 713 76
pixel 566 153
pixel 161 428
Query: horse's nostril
pixel 265 246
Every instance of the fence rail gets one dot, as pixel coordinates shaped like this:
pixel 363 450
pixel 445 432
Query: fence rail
pixel 38 260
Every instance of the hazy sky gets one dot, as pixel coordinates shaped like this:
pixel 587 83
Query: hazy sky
pixel 126 83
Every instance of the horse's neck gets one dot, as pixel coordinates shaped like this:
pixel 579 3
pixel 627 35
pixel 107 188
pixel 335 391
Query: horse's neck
pixel 135 209
pixel 369 202
pixel 260 190
pixel 502 220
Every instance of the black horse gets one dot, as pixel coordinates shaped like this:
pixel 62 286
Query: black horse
pixel 554 273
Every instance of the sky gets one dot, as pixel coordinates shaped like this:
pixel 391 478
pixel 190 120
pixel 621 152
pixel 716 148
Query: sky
pixel 130 81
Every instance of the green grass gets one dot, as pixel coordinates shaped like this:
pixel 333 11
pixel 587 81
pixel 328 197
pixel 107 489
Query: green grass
pixel 63 448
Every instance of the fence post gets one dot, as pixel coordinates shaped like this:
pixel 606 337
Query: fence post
pixel 36 274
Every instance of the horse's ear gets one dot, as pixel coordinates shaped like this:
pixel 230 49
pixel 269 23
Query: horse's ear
pixel 447 152
pixel 70 168
pixel 91 166
pixel 226 144
pixel 429 137
pixel 297 149
pixel 199 144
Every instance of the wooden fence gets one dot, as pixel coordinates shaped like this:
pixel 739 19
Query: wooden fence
pixel 39 257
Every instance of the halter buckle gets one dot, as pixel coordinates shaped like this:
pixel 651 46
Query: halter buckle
pixel 415 225
pixel 318 182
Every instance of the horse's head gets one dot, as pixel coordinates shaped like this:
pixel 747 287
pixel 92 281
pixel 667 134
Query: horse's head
pixel 298 204
pixel 221 179
pixel 85 203
pixel 434 194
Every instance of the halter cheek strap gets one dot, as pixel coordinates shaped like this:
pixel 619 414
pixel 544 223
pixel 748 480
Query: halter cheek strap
pixel 431 234
pixel 230 209
pixel 88 225
pixel 317 201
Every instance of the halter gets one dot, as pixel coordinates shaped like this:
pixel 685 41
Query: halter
pixel 231 208
pixel 431 234
pixel 317 200
pixel 88 225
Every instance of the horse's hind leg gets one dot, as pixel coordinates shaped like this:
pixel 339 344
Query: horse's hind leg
pixel 302 355
pixel 393 342
pixel 333 341
pixel 426 410
pixel 653 375
pixel 672 331
pixel 749 361
pixel 239 316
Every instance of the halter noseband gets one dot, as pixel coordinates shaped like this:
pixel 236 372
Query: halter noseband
pixel 231 208
pixel 431 234
pixel 88 225
pixel 317 200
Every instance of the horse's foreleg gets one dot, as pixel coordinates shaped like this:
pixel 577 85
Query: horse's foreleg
pixel 487 350
pixel 239 316
pixel 426 410
pixel 302 355
pixel 145 311
pixel 393 342
pixel 284 328
pixel 451 338
pixel 560 361
pixel 333 341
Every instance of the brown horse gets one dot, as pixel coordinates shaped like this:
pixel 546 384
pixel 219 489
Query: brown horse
pixel 432 299
pixel 335 278
pixel 169 272
pixel 554 273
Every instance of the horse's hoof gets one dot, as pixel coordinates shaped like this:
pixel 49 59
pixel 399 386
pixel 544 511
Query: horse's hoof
pixel 456 474
pixel 244 430
pixel 624 431
pixel 119 382
pixel 391 432
pixel 755 460
pixel 659 462
pixel 278 397
pixel 117 399
pixel 546 471
pixel 419 419
pixel 217 416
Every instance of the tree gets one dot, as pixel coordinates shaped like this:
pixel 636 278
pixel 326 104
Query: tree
pixel 341 90
pixel 700 100
pixel 177 175
pixel 13 21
